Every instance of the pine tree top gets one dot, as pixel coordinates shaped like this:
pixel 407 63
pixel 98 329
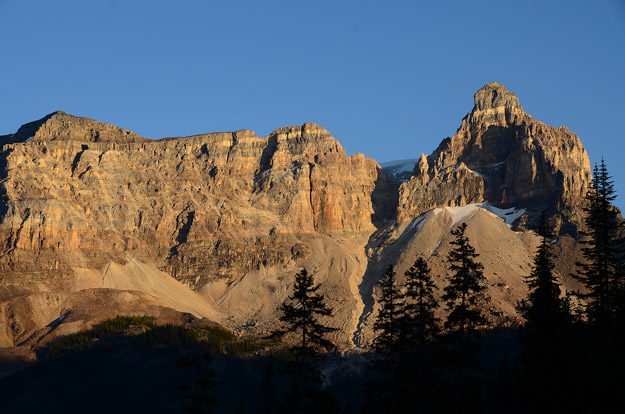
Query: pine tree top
pixel 300 313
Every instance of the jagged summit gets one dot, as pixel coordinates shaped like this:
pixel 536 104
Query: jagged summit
pixel 27 131
pixel 88 208
pixel 59 125
pixel 502 155
pixel 62 126
pixel 494 95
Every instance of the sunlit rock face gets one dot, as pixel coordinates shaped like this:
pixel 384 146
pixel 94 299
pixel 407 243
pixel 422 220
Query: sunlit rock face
pixel 95 219
pixel 503 155
pixel 214 205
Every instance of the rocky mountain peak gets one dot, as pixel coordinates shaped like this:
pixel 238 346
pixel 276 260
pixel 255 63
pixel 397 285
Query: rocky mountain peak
pixel 494 95
pixel 90 209
pixel 62 126
pixel 502 155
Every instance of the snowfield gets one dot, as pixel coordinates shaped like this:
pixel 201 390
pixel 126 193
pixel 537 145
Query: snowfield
pixel 399 166
pixel 509 215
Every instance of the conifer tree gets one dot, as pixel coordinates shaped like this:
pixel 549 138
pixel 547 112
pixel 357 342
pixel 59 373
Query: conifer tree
pixel 461 297
pixel 601 340
pixel 546 311
pixel 603 252
pixel 387 324
pixel 545 343
pixel 465 285
pixel 420 324
pixel 301 312
pixel 419 329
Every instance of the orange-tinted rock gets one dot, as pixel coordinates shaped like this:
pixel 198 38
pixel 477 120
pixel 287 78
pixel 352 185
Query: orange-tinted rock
pixel 206 206
pixel 502 155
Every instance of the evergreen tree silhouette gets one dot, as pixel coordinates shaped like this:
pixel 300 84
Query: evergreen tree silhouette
pixel 545 310
pixel 602 271
pixel 465 285
pixel 383 391
pixel 419 323
pixel 461 296
pixel 301 312
pixel 419 329
pixel 600 339
pixel 388 321
pixel 544 356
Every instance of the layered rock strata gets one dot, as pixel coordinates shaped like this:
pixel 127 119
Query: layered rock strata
pixel 502 155
pixel 89 209
pixel 206 206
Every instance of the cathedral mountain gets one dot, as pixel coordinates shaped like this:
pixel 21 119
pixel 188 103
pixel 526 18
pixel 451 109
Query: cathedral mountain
pixel 97 221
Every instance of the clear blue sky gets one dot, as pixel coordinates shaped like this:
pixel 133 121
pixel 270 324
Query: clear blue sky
pixel 387 78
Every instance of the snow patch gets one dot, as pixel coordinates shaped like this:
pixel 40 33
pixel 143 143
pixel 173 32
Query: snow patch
pixel 459 213
pixel 29 138
pixel 417 225
pixel 509 215
pixel 399 166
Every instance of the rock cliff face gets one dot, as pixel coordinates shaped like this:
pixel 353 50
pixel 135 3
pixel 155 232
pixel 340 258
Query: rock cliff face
pixel 81 197
pixel 92 210
pixel 215 205
pixel 502 155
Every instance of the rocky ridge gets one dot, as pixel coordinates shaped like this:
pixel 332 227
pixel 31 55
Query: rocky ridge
pixel 502 155
pixel 233 216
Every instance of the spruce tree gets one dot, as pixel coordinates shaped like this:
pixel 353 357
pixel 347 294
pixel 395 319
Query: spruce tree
pixel 601 272
pixel 301 312
pixel 420 325
pixel 419 329
pixel 465 285
pixel 461 296
pixel 601 339
pixel 545 310
pixel 383 393
pixel 387 324
pixel 545 343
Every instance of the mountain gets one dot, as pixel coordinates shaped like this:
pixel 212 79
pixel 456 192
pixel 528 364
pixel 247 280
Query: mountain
pixel 216 225
pixel 503 155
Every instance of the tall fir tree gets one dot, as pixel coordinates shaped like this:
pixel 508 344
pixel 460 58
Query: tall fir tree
pixel 545 309
pixel 301 312
pixel 387 325
pixel 601 272
pixel 601 339
pixel 382 392
pixel 544 355
pixel 465 285
pixel 420 324
pixel 420 328
pixel 461 296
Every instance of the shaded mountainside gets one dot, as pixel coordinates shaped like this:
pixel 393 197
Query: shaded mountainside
pixel 232 217
pixel 502 155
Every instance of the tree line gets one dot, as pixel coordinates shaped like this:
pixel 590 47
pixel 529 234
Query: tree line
pixel 570 355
